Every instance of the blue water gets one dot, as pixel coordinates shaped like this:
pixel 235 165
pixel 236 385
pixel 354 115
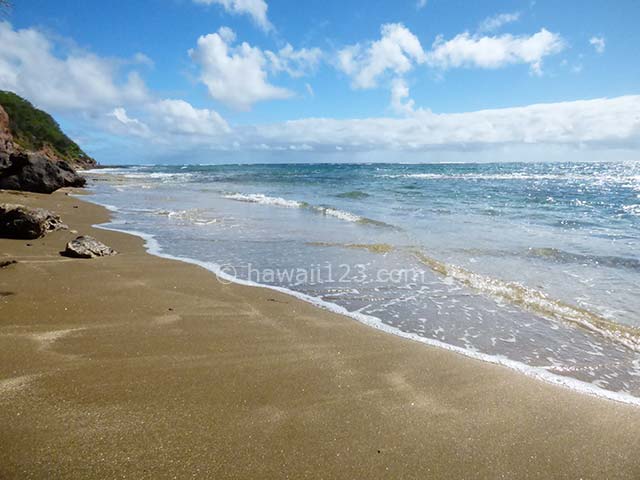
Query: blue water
pixel 535 263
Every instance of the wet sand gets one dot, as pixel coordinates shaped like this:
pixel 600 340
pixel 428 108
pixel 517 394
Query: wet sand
pixel 135 366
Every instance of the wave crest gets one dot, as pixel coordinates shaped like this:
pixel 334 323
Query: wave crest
pixel 262 199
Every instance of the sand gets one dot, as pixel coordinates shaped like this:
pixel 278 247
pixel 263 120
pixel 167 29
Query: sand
pixel 139 367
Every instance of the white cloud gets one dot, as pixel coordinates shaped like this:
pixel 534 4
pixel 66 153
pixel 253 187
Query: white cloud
pixel 142 59
pixel 309 89
pixel 296 63
pixel 180 117
pixel 397 51
pixel 75 81
pixel 126 125
pixel 420 4
pixel 491 24
pixel 599 43
pixel 234 75
pixel 602 122
pixel 169 122
pixel 256 9
pixel 581 127
pixel 466 50
pixel 401 103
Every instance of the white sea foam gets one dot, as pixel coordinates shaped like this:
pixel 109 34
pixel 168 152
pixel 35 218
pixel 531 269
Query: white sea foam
pixel 111 208
pixel 632 209
pixel 535 301
pixel 342 215
pixel 195 216
pixel 104 171
pixel 154 248
pixel 264 200
pixel 282 202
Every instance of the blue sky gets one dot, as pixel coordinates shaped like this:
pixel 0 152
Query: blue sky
pixel 222 80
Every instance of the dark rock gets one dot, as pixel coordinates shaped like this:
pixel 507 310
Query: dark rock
pixel 87 247
pixel 6 263
pixel 18 221
pixel 36 173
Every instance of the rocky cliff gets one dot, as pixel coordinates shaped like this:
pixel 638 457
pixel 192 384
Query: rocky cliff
pixel 24 128
pixel 35 155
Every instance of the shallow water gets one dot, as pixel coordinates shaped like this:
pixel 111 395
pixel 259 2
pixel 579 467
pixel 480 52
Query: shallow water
pixel 537 264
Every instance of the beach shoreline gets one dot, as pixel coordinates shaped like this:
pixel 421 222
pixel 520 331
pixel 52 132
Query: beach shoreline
pixel 148 367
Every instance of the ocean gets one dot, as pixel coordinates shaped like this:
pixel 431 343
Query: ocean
pixel 533 266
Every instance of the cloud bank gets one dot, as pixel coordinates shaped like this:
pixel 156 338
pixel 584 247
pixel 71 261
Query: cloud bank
pixel 606 122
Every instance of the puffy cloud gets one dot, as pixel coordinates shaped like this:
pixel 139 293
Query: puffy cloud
pixel 256 9
pixel 76 81
pixel 599 43
pixel 167 119
pixel 466 50
pixel 83 83
pixel 397 51
pixel 180 117
pixel 296 63
pixel 126 125
pixel 491 24
pixel 234 75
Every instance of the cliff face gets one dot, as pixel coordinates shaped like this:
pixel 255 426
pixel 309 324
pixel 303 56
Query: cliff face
pixel 25 129
pixel 6 139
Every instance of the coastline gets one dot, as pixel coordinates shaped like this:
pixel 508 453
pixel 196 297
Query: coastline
pixel 150 367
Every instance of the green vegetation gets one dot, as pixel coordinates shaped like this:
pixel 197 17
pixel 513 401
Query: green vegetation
pixel 33 129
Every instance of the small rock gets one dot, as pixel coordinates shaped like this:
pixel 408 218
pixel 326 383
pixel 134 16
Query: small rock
pixel 18 221
pixel 87 247
pixel 6 263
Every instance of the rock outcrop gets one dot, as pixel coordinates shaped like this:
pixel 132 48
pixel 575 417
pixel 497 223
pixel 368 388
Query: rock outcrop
pixel 34 173
pixel 87 247
pixel 18 221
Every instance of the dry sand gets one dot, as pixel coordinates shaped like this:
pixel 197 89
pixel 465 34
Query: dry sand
pixel 139 367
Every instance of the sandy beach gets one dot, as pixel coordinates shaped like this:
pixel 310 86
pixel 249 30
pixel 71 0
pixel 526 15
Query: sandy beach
pixel 135 366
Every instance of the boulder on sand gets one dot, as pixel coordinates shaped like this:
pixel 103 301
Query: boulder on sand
pixel 32 172
pixel 18 221
pixel 87 247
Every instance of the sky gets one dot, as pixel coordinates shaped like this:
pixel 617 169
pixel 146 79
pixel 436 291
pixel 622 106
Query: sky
pixel 220 81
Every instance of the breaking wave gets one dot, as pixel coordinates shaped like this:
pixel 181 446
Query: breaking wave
pixel 264 200
pixel 261 199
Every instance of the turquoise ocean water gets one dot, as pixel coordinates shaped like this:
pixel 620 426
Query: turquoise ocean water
pixel 535 266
